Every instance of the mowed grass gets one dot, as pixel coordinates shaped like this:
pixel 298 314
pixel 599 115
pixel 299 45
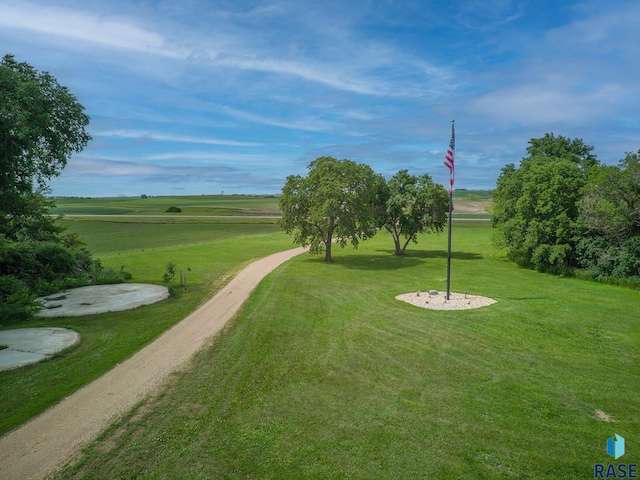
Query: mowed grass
pixel 323 374
pixel 208 253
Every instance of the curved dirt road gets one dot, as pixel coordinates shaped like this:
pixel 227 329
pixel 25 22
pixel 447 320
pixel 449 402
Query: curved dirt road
pixel 49 440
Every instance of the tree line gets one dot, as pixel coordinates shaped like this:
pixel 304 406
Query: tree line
pixel 563 211
pixel 342 202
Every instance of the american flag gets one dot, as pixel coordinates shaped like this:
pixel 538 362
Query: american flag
pixel 448 159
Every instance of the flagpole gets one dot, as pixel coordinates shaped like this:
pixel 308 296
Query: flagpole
pixel 449 247
pixel 449 163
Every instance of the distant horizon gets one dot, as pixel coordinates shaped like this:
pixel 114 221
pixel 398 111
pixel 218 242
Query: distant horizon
pixel 209 96
pixel 218 194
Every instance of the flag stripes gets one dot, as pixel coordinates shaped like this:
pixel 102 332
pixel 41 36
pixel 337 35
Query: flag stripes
pixel 449 157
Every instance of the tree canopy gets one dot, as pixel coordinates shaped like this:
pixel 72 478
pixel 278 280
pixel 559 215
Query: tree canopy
pixel 536 212
pixel 336 201
pixel 610 209
pixel 412 205
pixel 561 209
pixel 42 124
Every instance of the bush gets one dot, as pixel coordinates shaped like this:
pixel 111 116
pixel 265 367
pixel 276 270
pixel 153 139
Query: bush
pixel 605 262
pixel 16 302
pixel 56 262
pixel 174 210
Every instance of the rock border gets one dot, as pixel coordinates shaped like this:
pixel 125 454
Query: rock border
pixel 435 300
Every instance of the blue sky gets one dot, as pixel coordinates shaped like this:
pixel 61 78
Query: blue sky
pixel 204 96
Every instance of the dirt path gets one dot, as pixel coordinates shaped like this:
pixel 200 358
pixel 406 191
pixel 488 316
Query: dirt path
pixel 46 442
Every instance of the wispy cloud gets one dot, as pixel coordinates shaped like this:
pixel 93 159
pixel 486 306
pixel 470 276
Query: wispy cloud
pixel 161 137
pixel 182 93
pixel 113 32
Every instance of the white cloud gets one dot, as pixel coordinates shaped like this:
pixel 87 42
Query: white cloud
pixel 75 25
pixel 146 135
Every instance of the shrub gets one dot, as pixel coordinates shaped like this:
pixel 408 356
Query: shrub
pixel 174 210
pixel 55 261
pixel 16 302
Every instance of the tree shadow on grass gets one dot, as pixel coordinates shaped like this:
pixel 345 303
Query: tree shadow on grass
pixel 443 254
pixel 386 260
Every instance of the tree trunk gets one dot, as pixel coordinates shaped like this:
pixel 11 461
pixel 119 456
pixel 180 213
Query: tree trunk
pixel 327 246
pixel 405 245
pixel 396 242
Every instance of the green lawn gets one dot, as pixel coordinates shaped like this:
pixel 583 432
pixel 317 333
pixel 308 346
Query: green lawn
pixel 324 374
pixel 209 253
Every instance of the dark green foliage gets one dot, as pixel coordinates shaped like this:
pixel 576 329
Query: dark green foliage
pixel 41 125
pixel 536 212
pixel 610 209
pixel 17 303
pixel 47 267
pixel 174 210
pixel 411 205
pixel 169 273
pixel 561 209
pixel 602 259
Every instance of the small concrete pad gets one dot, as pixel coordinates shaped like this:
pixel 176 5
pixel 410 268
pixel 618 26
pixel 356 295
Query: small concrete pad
pixel 101 298
pixel 31 345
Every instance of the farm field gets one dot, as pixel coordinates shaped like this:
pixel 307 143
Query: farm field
pixel 190 205
pixel 323 374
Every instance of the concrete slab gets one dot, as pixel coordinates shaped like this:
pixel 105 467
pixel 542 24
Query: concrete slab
pixel 101 298
pixel 31 345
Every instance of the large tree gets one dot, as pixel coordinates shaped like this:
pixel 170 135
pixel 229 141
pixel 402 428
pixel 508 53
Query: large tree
pixel 336 201
pixel 41 125
pixel 536 212
pixel 412 205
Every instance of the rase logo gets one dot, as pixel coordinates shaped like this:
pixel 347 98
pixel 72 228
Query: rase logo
pixel 615 448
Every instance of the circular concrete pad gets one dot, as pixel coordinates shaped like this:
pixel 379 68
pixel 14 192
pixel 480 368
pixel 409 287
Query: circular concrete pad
pixel 30 345
pixel 101 298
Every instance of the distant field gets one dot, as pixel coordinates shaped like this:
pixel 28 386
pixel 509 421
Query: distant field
pixel 190 205
pixel 474 203
pixel 472 195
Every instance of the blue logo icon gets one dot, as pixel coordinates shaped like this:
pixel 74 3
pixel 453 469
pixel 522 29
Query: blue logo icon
pixel 615 446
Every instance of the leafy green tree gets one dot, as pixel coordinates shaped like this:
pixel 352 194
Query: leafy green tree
pixel 536 214
pixel 610 209
pixel 553 148
pixel 42 125
pixel 412 205
pixel 336 201
pixel 611 204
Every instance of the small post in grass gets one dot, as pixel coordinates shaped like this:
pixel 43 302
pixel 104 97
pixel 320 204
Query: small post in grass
pixel 449 163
